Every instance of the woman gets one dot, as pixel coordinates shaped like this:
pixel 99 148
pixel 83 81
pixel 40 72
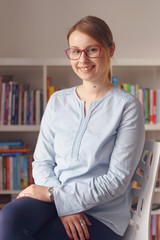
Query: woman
pixel 89 145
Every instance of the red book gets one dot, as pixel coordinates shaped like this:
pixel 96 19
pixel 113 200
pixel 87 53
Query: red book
pixel 7 104
pixel 151 227
pixel 11 150
pixel 30 170
pixel 154 106
pixel 151 106
pixel 48 85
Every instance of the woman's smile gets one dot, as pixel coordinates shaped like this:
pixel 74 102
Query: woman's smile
pixel 86 69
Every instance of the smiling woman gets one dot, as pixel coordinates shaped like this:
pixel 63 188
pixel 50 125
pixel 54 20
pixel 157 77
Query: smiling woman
pixel 90 142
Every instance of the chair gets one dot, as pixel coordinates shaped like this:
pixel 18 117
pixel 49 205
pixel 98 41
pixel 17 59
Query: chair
pixel 145 177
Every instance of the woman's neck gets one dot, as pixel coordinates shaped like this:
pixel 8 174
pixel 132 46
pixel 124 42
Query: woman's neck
pixel 90 92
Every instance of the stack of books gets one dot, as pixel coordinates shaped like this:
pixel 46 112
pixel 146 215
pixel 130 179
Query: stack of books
pixel 18 103
pixel 51 88
pixel 149 98
pixel 15 165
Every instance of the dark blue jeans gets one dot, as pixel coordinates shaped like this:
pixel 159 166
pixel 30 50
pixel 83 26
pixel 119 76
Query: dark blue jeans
pixel 29 219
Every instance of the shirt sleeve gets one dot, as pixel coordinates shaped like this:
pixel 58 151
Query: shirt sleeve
pixel 81 196
pixel 44 155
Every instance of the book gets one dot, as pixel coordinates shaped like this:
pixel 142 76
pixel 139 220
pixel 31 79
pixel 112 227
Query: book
pixel 3 79
pixel 115 80
pixel 9 143
pixel 2 113
pixel 23 149
pixel 158 107
pixel 15 172
pixel 4 173
pixel 5 154
pixel 10 102
pixel 1 173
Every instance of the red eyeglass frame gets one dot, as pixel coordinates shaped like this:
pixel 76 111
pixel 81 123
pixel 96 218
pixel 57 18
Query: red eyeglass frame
pixel 83 50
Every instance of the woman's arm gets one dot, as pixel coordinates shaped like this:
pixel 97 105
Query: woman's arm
pixel 80 196
pixel 44 155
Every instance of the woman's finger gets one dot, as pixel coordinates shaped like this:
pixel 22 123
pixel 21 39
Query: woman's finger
pixel 74 232
pixel 84 228
pixel 86 220
pixel 68 230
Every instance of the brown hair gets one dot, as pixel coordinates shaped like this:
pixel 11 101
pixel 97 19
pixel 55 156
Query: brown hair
pixel 98 29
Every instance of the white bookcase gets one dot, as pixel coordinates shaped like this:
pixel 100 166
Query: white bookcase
pixel 145 72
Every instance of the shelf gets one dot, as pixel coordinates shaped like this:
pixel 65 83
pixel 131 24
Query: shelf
pixel 157 189
pixel 19 128
pixel 34 62
pixel 35 128
pixel 139 62
pixel 13 192
pixel 152 127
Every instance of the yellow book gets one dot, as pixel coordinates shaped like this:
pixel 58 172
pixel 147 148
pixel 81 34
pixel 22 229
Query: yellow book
pixel 51 90
pixel 124 85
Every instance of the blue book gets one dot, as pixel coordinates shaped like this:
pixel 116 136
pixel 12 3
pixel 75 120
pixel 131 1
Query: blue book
pixel 11 143
pixel 10 154
pixel 115 80
pixel 15 173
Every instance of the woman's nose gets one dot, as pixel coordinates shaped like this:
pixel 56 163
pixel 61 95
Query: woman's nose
pixel 83 57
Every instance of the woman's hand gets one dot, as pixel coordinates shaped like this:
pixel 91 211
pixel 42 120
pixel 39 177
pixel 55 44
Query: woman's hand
pixel 37 192
pixel 76 223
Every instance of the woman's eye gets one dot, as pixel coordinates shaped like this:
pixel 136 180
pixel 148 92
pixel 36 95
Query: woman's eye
pixel 92 50
pixel 75 51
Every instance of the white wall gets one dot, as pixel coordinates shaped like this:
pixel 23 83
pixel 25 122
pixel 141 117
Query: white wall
pixel 37 28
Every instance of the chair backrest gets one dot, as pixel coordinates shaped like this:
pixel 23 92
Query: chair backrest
pixel 145 175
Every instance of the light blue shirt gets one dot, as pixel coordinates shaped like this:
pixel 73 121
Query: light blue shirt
pixel 90 160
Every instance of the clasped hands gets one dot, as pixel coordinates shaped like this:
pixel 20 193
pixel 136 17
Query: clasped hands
pixel 74 224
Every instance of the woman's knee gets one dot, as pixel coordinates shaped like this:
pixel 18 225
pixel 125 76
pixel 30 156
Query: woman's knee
pixel 10 214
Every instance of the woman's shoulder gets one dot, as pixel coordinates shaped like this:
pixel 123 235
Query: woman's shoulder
pixel 123 96
pixel 119 93
pixel 64 92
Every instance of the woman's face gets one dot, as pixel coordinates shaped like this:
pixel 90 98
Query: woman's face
pixel 94 70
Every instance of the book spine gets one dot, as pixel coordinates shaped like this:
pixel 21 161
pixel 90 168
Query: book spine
pixel 8 172
pixel 16 103
pixel 15 150
pixel 11 143
pixel 37 109
pixel 30 159
pixel 158 107
pixel 3 103
pixel 151 106
pixel 4 174
pixel 6 104
pixel 11 173
pixel 10 103
pixel 1 173
pixel 5 154
pixel 20 104
pixel 14 173
pixel 146 106
pixel 154 106
pixel 13 107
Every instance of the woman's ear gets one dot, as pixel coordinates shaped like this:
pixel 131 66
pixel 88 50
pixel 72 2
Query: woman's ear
pixel 112 49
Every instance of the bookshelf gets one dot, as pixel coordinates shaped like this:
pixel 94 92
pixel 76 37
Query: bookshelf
pixel 145 72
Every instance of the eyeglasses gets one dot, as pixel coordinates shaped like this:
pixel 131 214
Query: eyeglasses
pixel 90 52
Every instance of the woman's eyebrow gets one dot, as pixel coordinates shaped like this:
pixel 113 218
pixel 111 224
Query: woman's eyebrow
pixel 92 45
